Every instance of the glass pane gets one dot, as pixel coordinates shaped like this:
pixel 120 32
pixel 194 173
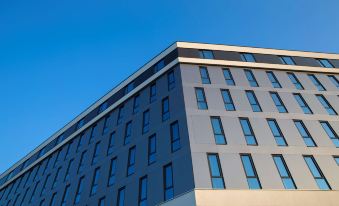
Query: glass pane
pixel 280 141
pixel 214 166
pixel 218 183
pixel 309 142
pixel 248 166
pixel 253 183
pixel 169 194
pixel 322 184
pixel 251 140
pixel 281 167
pixel 313 168
pixel 220 139
pixel 288 184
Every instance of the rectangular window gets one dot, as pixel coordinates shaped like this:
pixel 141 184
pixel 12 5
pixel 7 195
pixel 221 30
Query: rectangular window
pixel 206 54
pixel 250 171
pixel 136 104
pixel 153 93
pixel 278 102
pixel 326 104
pixel 129 87
pixel 278 135
pixel 42 152
pixel 112 172
pixel 82 162
pixel 295 81
pixel 205 78
pixel 228 77
pixel 65 196
pixel 69 145
pixel 131 161
pixel 80 123
pixel 80 142
pixel 248 131
pixel 165 112
pixel 274 81
pixel 246 57
pixel 69 168
pixel 302 103
pixel 336 159
pixel 218 130
pixel 325 63
pixel 95 181
pixel 251 79
pixel 168 182
pixel 101 201
pixel 228 101
pixel 79 190
pixel 93 133
pixel 334 80
pixel 253 101
pixel 145 121
pixel 56 178
pixel 152 149
pixel 317 173
pixel 316 82
pixel 308 139
pixel 287 60
pixel 120 114
pixel 111 143
pixel 105 128
pixel 103 107
pixel 284 172
pixel 53 200
pixel 158 66
pixel 121 197
pixel 201 98
pixel 96 153
pixel 170 80
pixel 330 132
pixel 143 191
pixel 215 171
pixel 175 136
pixel 128 132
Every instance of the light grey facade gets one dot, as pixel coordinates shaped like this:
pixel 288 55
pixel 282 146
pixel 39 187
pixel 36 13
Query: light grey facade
pixel 196 87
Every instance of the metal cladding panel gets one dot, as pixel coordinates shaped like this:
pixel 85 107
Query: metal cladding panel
pixel 335 62
pixel 266 58
pixel 304 61
pixel 227 55
pixel 190 53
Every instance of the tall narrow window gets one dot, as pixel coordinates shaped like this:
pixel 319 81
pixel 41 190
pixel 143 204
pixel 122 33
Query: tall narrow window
pixel 336 159
pixel 103 107
pixel 112 172
pixel 284 173
pixel 93 133
pixel 334 80
pixel 325 63
pixel 253 101
pixel 145 121
pixel 274 81
pixel 206 54
pixel 80 142
pixel 170 80
pixel 330 132
pixel 80 123
pixel 152 149
pixel 317 173
pixel 136 104
pixel 295 81
pixel 287 60
pixel 33 193
pixel 316 82
pixel 57 158
pixel 205 78
pixel 248 131
pixel 69 168
pixel 228 77
pixel 143 191
pixel 153 93
pixel 53 200
pixel 96 153
pixel 120 114
pixel 82 162
pixel 278 135
pixel 95 181
pixel 131 161
pixel 308 139
pixel 129 87
pixel 111 143
pixel 165 112
pixel 102 201
pixel 201 99
pixel 105 128
pixel 158 66
pixel 228 101
pixel 79 190
pixel 326 104
pixel 278 102
pixel 251 79
pixel 175 136
pixel 302 103
pixel 247 57
pixel 56 178
pixel 250 171
pixel 121 197
pixel 215 171
pixel 65 196
pixel 128 132
pixel 168 182
pixel 69 145
pixel 218 130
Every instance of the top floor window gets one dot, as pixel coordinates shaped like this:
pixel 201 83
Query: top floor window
pixel 325 63
pixel 80 123
pixel 129 87
pixel 246 57
pixel 287 60
pixel 103 107
pixel 206 54
pixel 159 65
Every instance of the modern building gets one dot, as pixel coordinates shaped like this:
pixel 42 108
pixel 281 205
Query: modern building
pixel 200 124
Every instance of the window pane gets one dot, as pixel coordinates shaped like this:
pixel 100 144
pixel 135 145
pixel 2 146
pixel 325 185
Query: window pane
pixel 316 82
pixel 325 63
pixel 201 99
pixel 228 77
pixel 253 101
pixel 247 57
pixel 228 101
pixel 295 81
pixel 251 79
pixel 273 79
pixel 218 130
pixel 287 60
pixel 205 79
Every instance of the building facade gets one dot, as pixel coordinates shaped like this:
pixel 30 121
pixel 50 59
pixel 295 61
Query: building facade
pixel 200 124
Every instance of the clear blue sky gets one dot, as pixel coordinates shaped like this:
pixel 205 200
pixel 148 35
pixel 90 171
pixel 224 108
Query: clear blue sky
pixel 58 57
